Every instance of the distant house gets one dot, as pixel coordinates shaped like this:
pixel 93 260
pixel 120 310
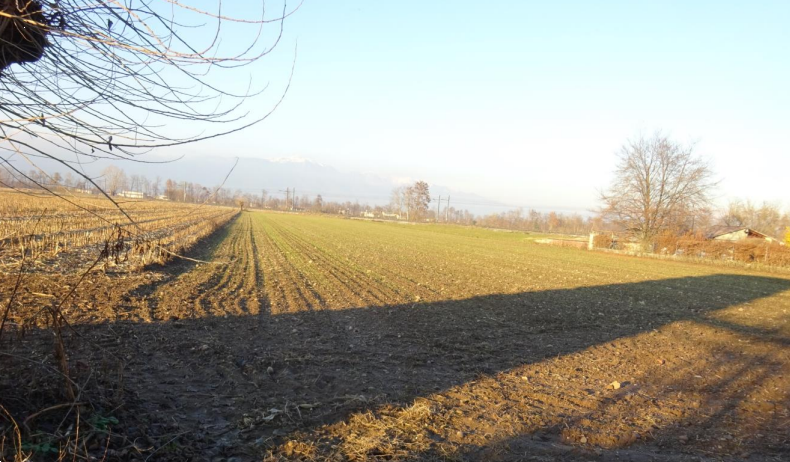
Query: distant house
pixel 162 197
pixel 392 216
pixel 368 214
pixel 130 194
pixel 737 233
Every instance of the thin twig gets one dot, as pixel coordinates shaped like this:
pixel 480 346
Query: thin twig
pixel 45 410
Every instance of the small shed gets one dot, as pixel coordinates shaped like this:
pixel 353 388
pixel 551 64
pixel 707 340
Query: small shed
pixel 736 233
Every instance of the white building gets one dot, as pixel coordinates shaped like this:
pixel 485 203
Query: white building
pixel 130 194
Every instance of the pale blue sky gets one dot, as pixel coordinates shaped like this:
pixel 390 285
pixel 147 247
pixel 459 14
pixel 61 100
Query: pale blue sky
pixel 527 102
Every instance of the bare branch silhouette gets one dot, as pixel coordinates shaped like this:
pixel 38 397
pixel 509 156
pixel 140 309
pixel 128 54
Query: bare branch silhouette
pixel 107 80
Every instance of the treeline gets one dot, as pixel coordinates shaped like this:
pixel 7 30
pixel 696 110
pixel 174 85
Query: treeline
pixel 116 182
pixel 409 203
pixel 534 221
pixel 766 218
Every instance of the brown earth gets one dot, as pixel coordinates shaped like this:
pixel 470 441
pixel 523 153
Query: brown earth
pixel 322 339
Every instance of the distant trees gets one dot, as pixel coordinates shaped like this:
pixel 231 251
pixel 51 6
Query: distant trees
pixel 767 218
pixel 658 185
pixel 398 200
pixel 171 189
pixel 318 204
pixel 418 196
pixel 411 201
pixel 135 182
pixel 534 221
pixel 114 179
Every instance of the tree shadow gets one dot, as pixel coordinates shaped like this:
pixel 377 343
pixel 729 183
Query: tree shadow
pixel 241 385
pixel 731 403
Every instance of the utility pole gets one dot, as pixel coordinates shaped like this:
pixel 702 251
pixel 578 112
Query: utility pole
pixel 447 209
pixel 438 208
pixel 185 191
pixel 293 199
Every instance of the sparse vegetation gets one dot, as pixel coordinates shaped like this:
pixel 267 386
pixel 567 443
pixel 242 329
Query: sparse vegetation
pixel 319 338
pixel 56 235
pixel 659 185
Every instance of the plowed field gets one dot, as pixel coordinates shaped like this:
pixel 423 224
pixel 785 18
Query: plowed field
pixel 312 338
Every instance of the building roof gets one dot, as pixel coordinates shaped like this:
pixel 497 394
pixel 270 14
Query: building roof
pixel 715 232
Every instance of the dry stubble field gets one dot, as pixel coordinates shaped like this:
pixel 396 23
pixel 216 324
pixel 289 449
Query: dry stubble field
pixel 313 338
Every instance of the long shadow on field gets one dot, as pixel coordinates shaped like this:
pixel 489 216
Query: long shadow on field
pixel 236 385
pixel 724 395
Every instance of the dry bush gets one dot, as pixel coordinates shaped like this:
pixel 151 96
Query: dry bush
pixel 563 243
pixel 748 251
pixel 667 242
pixel 602 241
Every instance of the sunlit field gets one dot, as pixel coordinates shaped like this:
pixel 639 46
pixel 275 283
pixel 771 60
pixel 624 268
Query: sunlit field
pixel 311 338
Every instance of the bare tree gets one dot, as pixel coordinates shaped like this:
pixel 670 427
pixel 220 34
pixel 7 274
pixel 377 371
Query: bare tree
pixel 398 200
pixel 114 179
pixel 418 196
pixel 658 184
pixel 146 186
pixel 155 185
pixel 135 182
pixel 767 218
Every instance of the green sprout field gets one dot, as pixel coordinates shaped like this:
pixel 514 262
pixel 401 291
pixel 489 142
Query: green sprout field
pixel 295 337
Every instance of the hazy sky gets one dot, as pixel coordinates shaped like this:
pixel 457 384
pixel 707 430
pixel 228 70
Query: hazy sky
pixel 527 102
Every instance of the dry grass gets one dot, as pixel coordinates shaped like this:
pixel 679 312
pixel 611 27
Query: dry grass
pixel 45 229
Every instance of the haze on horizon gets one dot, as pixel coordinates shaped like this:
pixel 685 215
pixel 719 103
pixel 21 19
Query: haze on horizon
pixel 527 103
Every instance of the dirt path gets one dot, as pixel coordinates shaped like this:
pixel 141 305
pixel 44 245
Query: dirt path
pixel 322 339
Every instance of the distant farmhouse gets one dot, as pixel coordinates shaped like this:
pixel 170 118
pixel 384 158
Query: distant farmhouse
pixel 130 194
pixel 737 233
